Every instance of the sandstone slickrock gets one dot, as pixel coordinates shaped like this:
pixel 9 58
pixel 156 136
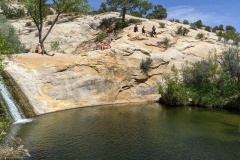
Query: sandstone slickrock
pixel 85 77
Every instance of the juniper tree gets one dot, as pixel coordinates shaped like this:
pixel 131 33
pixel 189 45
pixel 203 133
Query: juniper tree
pixel 38 11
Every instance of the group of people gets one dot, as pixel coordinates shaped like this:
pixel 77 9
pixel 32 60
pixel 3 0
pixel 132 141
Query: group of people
pixel 152 33
pixel 40 50
pixel 102 46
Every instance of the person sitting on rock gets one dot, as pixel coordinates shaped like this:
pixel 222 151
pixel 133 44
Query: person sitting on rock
pixel 99 46
pixel 38 49
pixel 41 50
pixel 106 46
pixel 47 52
pixel 135 28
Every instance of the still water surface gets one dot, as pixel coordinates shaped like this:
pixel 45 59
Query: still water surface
pixel 133 132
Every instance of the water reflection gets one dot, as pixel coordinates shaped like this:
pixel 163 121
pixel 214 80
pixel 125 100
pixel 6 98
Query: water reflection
pixel 132 132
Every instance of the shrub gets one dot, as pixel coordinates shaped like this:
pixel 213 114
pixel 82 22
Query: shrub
pixel 134 21
pixel 26 50
pixel 162 25
pixel 107 22
pixel 227 35
pixel 55 45
pixel 28 24
pixel 230 28
pixel 100 37
pixel 12 12
pixel 146 64
pixel 200 73
pixel 185 21
pixel 231 62
pixel 208 28
pixel 121 24
pixel 194 27
pixel 9 37
pixel 173 91
pixel 165 43
pixel 200 36
pixel 198 24
pixel 175 20
pixel 182 31
pixel 49 23
pixel 236 40
pixel 205 82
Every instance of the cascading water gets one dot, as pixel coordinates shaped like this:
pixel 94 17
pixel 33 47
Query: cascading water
pixel 11 105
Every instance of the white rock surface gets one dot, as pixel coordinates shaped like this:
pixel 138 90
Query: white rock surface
pixel 102 77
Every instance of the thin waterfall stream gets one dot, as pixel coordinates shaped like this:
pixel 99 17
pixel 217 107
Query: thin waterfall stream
pixel 13 109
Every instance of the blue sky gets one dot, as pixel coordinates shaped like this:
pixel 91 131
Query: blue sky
pixel 211 12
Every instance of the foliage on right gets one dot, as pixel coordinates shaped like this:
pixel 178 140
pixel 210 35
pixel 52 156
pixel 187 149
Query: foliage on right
pixel 213 82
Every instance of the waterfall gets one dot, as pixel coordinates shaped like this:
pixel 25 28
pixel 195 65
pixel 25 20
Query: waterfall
pixel 11 105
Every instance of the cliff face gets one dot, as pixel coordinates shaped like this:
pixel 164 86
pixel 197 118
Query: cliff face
pixel 94 77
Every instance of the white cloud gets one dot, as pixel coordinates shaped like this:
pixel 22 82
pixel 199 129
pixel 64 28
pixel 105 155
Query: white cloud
pixel 192 14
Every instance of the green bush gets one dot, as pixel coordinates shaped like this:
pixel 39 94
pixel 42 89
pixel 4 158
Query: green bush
pixel 174 92
pixel 201 72
pixel 55 45
pixel 100 37
pixel 162 25
pixel 121 24
pixel 134 21
pixel 12 12
pixel 231 62
pixel 107 22
pixel 205 82
pixel 200 36
pixel 198 24
pixel 146 64
pixel 165 43
pixel 5 121
pixel 229 35
pixel 182 31
pixel 49 23
pixel 9 37
pixel 208 28
pixel 194 27
pixel 175 20
pixel 185 21
pixel 28 24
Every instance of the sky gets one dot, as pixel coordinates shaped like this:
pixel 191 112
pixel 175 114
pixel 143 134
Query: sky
pixel 211 12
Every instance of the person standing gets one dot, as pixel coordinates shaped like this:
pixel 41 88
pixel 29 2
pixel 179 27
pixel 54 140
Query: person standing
pixel 143 30
pixel 154 30
pixel 39 49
